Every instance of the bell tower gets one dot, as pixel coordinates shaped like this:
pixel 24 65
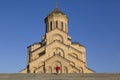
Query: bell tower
pixel 56 27
pixel 56 19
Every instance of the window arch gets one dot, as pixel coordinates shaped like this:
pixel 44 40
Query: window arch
pixel 50 25
pixel 62 26
pixel 56 24
pixel 57 51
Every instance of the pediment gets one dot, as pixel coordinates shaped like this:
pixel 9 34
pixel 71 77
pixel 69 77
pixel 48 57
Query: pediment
pixel 57 58
pixel 57 43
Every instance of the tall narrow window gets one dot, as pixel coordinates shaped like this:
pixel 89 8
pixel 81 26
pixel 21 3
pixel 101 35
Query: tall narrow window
pixel 65 27
pixel 51 25
pixel 56 24
pixel 61 25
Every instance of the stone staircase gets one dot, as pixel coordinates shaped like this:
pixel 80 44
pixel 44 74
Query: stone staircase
pixel 95 76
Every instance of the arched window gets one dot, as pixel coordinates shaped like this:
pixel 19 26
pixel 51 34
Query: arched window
pixel 56 24
pixel 61 25
pixel 51 25
pixel 65 27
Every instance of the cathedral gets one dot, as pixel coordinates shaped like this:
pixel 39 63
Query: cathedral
pixel 56 53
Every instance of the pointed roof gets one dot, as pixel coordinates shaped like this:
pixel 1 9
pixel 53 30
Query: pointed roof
pixel 56 11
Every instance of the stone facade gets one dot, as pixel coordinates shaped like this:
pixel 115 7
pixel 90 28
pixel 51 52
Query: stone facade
pixel 56 49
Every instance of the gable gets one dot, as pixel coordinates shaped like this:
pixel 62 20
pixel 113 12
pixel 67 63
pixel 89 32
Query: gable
pixel 59 44
pixel 57 57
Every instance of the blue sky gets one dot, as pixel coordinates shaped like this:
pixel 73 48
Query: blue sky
pixel 93 23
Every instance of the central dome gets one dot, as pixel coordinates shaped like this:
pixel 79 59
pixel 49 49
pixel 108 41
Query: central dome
pixel 56 19
pixel 56 11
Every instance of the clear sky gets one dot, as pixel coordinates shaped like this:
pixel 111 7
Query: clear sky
pixel 93 23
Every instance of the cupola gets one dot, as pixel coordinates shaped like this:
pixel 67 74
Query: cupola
pixel 56 20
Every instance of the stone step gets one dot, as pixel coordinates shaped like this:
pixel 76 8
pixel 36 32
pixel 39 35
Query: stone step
pixel 95 76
